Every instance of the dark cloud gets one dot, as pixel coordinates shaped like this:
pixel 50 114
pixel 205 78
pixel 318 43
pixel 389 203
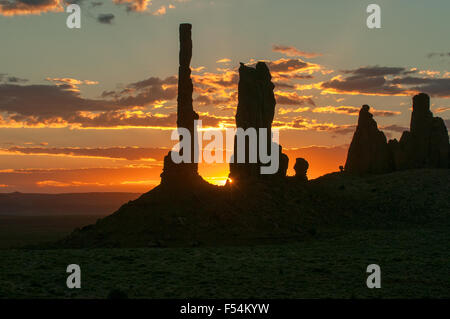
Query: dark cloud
pixel 439 87
pixel 293 98
pixel 387 81
pixel 11 79
pixel 117 119
pixel 152 81
pixel 352 110
pixel 292 51
pixel 369 85
pixel 96 3
pixel 287 65
pixel 303 123
pixel 205 99
pixel 441 55
pixel 47 101
pixel 26 7
pixel 375 71
pixel 284 85
pixel 343 130
pixel 105 18
pixel 54 104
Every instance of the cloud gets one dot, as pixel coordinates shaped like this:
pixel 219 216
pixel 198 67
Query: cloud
pixel 435 54
pixel 122 119
pixel 287 65
pixel 293 52
pixel 442 109
pixel 352 110
pixel 28 7
pixel 376 71
pixel 105 18
pixel 127 153
pixel 103 179
pixel 47 100
pixel 134 5
pixel 62 103
pixel 439 87
pixel 160 11
pixel 394 128
pixel 11 79
pixel 69 83
pixel 307 124
pixel 378 80
pixel 292 98
pixel 224 60
pixel 289 110
pixel 152 81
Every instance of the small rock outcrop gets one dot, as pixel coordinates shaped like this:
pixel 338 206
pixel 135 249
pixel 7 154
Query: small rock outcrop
pixel 368 151
pixel 301 168
pixel 426 145
pixel 186 172
pixel 256 109
pixel 284 163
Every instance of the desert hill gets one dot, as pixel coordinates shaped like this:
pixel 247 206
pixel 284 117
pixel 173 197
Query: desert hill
pixel 261 212
pixel 396 184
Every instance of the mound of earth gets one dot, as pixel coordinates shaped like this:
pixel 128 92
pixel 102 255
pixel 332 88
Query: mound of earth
pixel 260 211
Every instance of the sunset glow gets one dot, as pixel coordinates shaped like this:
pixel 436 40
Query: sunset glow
pixel 93 109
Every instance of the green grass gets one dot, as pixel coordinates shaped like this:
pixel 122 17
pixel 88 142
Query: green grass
pixel 414 264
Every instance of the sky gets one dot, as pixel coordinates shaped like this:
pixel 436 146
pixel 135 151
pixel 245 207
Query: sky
pixel 93 109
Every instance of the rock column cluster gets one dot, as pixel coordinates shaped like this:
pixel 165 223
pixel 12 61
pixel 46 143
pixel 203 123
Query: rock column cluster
pixel 426 145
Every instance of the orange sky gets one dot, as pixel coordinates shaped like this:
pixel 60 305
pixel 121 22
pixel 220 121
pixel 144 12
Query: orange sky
pixel 93 109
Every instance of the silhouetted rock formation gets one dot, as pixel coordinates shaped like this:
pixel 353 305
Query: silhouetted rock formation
pixel 426 145
pixel 256 108
pixel 284 163
pixel 368 151
pixel 301 168
pixel 186 115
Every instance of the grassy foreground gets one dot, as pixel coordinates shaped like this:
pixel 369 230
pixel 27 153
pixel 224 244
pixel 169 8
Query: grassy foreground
pixel 414 264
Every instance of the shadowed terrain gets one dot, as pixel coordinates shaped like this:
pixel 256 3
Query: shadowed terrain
pixel 287 209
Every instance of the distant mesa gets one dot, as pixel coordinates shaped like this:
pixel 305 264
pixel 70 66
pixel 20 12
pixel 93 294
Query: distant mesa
pixel 426 145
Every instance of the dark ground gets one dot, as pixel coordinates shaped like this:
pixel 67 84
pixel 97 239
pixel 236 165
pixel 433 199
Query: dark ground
pixel 414 264
pixel 342 224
